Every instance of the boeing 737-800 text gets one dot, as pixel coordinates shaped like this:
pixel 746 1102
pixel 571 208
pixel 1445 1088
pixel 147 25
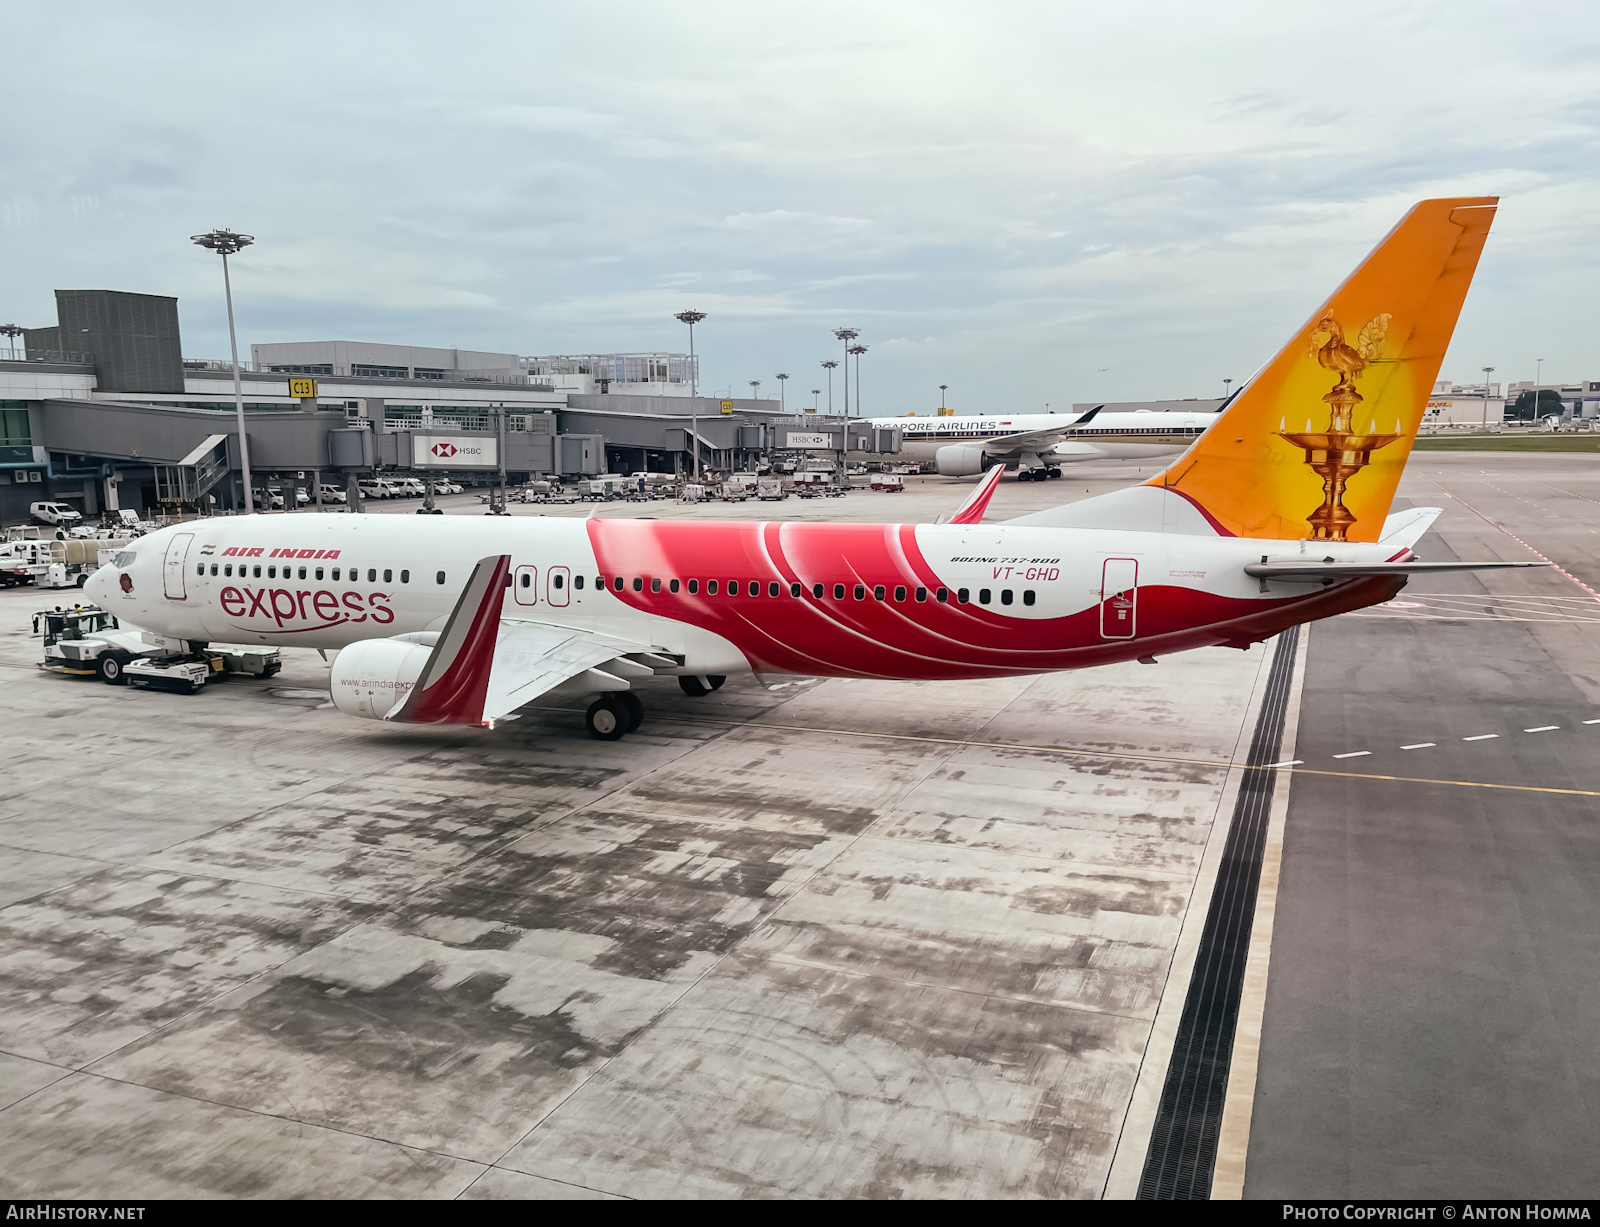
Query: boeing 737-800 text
pixel 1276 515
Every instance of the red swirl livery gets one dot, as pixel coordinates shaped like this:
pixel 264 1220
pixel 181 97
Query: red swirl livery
pixel 1277 515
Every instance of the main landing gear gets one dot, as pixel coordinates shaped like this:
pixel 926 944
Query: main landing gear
pixel 695 687
pixel 613 714
pixel 1043 474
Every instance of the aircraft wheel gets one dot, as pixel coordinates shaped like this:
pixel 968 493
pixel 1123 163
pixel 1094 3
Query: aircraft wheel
pixel 635 707
pixel 82 579
pixel 716 680
pixel 607 719
pixel 1054 472
pixel 109 668
pixel 1024 474
pixel 692 686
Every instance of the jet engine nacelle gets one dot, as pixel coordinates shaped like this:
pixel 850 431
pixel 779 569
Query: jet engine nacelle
pixel 961 460
pixel 371 675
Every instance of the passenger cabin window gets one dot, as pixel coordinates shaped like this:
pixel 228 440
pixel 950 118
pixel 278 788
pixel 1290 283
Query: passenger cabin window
pixel 1027 596
pixel 672 586
pixel 922 594
pixel 638 584
pixel 228 570
pixel 438 577
pixel 319 573
pixel 983 596
pixel 372 575
pixel 1005 596
pixel 655 585
pixel 526 580
pixel 200 569
pixel 556 579
pixel 303 573
pixel 711 587
pixel 942 595
pixel 335 573
pixel 817 591
pixel 899 593
pixel 961 596
pixel 838 592
pixel 795 589
pixel 388 575
pixel 774 589
pixel 577 582
pixel 272 572
pixel 860 592
pixel 877 592
pixel 405 576
pixel 694 586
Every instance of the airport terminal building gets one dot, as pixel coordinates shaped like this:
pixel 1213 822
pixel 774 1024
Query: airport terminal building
pixel 101 411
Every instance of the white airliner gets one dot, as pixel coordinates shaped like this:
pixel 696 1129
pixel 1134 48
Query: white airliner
pixel 1038 444
pixel 1259 526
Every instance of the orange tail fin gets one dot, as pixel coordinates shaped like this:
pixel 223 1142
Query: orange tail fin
pixel 1315 446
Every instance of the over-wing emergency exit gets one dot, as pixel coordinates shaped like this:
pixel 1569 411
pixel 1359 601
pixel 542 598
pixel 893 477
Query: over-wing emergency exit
pixel 1278 514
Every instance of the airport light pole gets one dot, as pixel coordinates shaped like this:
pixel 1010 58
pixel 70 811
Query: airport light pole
pixel 1226 385
pixel 226 243
pixel 846 335
pixel 755 389
pixel 857 350
pixel 828 366
pixel 1487 371
pixel 942 389
pixel 11 332
pixel 692 318
pixel 816 393
pixel 783 400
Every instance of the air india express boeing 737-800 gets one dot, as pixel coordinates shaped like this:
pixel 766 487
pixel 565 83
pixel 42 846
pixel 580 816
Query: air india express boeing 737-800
pixel 1276 515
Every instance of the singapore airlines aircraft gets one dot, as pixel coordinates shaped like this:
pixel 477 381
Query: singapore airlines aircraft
pixel 1277 515
pixel 1038 444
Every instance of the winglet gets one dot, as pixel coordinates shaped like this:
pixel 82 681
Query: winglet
pixel 455 682
pixel 971 511
pixel 1087 418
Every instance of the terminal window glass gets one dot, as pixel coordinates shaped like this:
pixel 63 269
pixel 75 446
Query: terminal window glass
pixel 1005 596
pixel 14 430
pixel 672 586
pixel 388 575
pixel 694 586
pixel 983 596
pixel 838 592
pixel 711 587
pixel 877 593
pixel 860 592
pixel 439 577
pixel 405 576
pixel 655 584
pixel 1027 596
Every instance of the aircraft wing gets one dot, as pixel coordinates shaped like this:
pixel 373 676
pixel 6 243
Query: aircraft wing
pixel 484 666
pixel 1036 440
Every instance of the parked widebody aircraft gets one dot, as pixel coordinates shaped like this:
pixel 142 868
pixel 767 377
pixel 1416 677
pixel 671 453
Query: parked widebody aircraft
pixel 1275 516
pixel 1036 445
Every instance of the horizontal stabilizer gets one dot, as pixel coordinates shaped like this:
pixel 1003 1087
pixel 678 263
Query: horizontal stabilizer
pixel 1320 571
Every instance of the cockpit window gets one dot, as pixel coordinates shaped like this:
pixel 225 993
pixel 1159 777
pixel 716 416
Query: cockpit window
pixel 124 558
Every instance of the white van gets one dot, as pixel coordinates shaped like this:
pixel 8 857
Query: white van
pixel 55 513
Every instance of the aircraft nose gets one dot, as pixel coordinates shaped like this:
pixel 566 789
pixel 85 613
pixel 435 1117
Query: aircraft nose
pixel 98 586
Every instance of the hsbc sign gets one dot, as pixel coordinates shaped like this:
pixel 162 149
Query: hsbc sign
pixel 453 452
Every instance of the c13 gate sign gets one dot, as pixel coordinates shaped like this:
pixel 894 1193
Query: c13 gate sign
pixel 453 452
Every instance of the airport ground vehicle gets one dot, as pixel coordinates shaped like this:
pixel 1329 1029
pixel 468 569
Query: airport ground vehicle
pixel 771 490
pixel 269 499
pixel 410 487
pixel 57 514
pixel 87 641
pixel 334 494
pixel 378 487
pixel 446 486
pixel 1258 527
pixel 889 483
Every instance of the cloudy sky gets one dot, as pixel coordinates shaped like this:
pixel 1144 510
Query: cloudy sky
pixel 1032 203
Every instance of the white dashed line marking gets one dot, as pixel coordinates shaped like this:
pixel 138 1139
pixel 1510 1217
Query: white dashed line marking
pixel 1421 745
pixel 1543 728
pixel 1292 762
pixel 1481 737
pixel 1592 721
pixel 1353 754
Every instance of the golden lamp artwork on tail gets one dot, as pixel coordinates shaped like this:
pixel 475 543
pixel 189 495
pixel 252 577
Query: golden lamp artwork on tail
pixel 1298 455
pixel 1338 454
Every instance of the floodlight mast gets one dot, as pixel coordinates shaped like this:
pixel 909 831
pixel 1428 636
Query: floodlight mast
pixel 692 318
pixel 783 400
pixel 227 243
pixel 846 335
pixel 857 350
pixel 828 366
pixel 11 332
